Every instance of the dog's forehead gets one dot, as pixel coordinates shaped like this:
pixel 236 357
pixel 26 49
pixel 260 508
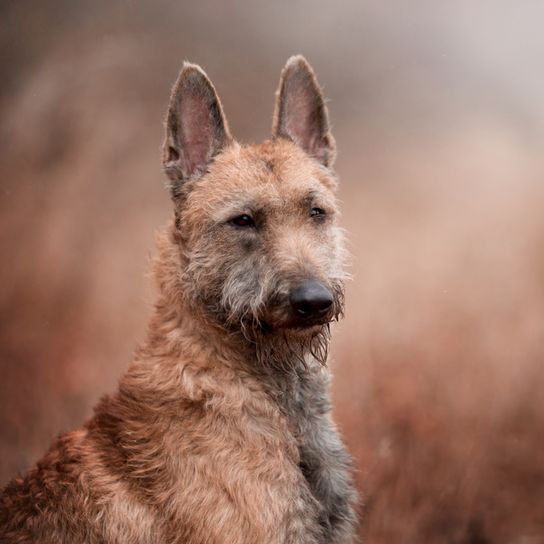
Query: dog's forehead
pixel 274 172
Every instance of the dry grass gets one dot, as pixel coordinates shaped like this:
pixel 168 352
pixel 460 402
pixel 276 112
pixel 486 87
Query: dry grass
pixel 439 361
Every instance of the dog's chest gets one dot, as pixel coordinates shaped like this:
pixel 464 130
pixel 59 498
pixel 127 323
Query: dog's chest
pixel 323 459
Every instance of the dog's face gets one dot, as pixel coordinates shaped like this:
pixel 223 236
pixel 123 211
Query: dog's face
pixel 260 230
pixel 261 248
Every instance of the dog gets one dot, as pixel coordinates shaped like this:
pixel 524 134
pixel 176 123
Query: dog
pixel 220 430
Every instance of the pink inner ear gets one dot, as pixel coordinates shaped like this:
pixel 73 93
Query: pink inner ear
pixel 197 132
pixel 303 116
pixel 298 117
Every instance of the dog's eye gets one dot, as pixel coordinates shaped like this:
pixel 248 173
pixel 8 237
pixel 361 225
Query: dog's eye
pixel 243 220
pixel 317 212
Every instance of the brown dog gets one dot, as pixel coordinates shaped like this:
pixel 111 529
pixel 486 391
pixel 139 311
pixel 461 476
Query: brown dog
pixel 220 431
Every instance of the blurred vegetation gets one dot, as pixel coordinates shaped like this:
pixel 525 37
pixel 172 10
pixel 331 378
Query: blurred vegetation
pixel 438 113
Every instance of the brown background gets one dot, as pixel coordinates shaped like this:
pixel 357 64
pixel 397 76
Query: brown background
pixel 438 110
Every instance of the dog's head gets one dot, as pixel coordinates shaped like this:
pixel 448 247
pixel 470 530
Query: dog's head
pixel 257 225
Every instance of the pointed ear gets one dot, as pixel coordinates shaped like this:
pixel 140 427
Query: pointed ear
pixel 300 113
pixel 196 128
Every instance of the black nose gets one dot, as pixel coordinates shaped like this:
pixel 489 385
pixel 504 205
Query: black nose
pixel 310 299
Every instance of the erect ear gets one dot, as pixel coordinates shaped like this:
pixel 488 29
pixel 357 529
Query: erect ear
pixel 196 128
pixel 300 113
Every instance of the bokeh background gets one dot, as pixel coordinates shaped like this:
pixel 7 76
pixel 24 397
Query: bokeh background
pixel 438 110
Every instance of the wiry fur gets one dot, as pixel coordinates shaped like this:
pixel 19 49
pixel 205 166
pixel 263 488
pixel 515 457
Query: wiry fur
pixel 220 431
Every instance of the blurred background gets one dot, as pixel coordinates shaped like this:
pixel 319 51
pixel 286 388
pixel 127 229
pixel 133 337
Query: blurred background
pixel 438 111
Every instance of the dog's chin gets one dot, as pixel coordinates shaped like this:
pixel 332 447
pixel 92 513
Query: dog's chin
pixel 294 329
pixel 281 325
pixel 303 332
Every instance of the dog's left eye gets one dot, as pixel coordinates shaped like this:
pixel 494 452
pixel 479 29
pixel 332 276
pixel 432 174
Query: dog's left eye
pixel 317 212
pixel 243 220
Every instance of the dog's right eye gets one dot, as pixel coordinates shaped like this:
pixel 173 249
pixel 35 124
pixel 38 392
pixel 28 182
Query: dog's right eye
pixel 243 220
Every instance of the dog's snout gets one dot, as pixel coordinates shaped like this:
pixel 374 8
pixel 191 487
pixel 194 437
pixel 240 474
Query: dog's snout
pixel 310 299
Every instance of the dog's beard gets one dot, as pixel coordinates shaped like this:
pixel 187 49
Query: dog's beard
pixel 288 349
